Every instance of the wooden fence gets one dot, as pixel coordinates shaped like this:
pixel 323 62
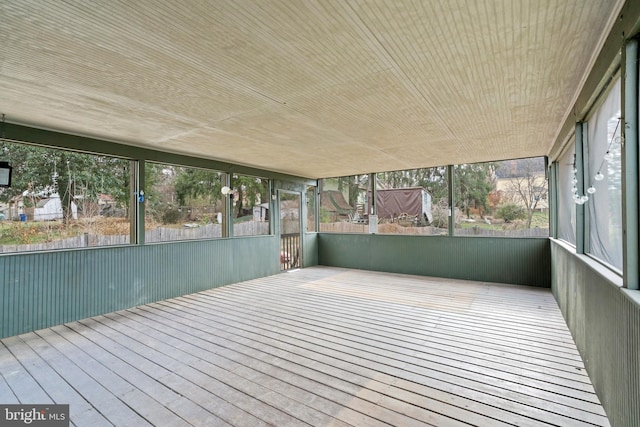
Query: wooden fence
pixel 82 241
pixel 159 234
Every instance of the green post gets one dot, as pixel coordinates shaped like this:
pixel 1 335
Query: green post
pixel 317 195
pixel 274 209
pixel 227 204
pixel 553 200
pixel 138 200
pixel 581 226
pixel 372 185
pixel 452 204
pixel 630 166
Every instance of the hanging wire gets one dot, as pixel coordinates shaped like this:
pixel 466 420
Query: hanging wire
pixel 580 200
pixel 607 157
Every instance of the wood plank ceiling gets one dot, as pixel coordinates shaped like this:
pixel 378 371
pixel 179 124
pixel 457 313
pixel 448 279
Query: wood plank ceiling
pixel 312 88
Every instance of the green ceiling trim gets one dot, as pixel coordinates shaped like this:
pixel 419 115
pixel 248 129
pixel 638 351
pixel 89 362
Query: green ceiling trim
pixel 54 139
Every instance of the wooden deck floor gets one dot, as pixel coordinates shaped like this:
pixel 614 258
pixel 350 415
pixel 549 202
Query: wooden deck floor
pixel 320 346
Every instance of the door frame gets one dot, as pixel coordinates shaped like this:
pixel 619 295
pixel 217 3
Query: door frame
pixel 290 252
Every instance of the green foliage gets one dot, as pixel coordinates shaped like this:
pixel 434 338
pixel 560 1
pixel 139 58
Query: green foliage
pixel 433 180
pixel 171 216
pixel 352 186
pixel 473 183
pixel 250 191
pixel 510 212
pixel 41 171
pixel 169 188
pixel 19 233
pixel 326 216
pixel 197 184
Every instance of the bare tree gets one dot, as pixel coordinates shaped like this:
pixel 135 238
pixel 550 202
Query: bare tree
pixel 528 188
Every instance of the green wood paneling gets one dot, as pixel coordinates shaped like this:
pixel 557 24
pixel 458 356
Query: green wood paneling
pixel 501 260
pixel 43 289
pixel 604 320
pixel 310 249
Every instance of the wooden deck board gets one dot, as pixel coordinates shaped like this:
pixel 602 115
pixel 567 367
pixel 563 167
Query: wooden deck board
pixel 176 346
pixel 353 342
pixel 334 391
pixel 421 329
pixel 58 389
pixel 179 374
pixel 435 339
pixel 403 370
pixel 320 346
pixel 167 326
pixel 382 333
pixel 322 373
pixel 22 384
pixel 523 329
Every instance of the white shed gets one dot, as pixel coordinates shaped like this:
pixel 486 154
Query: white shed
pixel 50 209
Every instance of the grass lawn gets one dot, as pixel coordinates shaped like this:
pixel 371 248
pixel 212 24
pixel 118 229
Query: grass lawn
pixel 17 233
pixel 481 224
pixel 20 233
pixel 539 220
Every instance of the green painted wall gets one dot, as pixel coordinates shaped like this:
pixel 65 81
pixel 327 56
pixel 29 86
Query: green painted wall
pixel 43 289
pixel 604 320
pixel 39 290
pixel 502 260
pixel 310 249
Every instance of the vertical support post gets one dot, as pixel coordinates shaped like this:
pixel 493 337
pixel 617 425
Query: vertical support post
pixel 553 200
pixel 581 229
pixel 630 165
pixel 317 206
pixel 372 181
pixel 227 220
pixel 373 210
pixel 133 202
pixel 584 177
pixel 273 214
pixel 137 182
pixel 452 209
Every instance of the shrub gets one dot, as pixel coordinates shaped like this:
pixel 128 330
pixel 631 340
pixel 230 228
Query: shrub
pixel 510 212
pixel 171 216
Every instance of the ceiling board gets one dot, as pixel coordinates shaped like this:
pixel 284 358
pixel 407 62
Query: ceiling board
pixel 315 88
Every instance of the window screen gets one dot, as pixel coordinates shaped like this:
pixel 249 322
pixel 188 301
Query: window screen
pixel 605 177
pixel 566 205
